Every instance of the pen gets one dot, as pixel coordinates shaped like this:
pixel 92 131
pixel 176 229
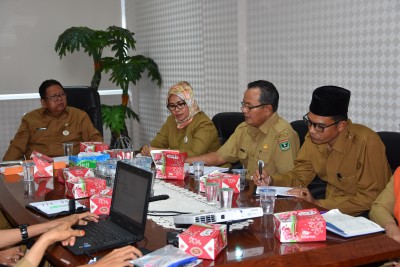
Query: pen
pixel 41 129
pixel 260 167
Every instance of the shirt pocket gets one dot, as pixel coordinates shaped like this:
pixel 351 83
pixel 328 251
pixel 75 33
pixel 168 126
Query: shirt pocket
pixel 348 183
pixel 242 155
pixel 39 131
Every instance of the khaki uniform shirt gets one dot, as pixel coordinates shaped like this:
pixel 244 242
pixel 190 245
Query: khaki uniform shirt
pixel 274 142
pixel 382 211
pixel 356 169
pixel 42 132
pixel 198 137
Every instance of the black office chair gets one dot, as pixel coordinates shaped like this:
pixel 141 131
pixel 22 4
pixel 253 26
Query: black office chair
pixel 87 99
pixel 392 144
pixel 301 128
pixel 226 123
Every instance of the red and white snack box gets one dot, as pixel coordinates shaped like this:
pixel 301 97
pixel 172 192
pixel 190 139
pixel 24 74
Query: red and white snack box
pixel 100 203
pixel 224 180
pixel 84 187
pixel 43 185
pixel 169 164
pixel 121 153
pixel 43 165
pixel 204 241
pixel 92 147
pixel 74 172
pixel 300 226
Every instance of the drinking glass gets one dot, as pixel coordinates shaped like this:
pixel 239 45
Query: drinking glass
pixel 198 169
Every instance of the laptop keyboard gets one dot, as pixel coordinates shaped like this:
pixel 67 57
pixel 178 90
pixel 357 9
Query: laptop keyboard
pixel 101 234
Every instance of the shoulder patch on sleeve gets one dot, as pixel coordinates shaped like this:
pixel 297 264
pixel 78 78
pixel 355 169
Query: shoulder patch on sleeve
pixel 284 144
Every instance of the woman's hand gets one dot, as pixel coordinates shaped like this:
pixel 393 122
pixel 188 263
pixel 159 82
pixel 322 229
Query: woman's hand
pixel 145 151
pixel 63 232
pixel 79 218
pixel 10 256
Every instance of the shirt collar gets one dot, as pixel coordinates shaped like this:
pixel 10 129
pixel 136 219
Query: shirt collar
pixel 264 128
pixel 343 137
pixel 268 123
pixel 341 141
pixel 45 112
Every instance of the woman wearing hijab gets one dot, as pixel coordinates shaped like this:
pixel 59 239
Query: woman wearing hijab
pixel 187 129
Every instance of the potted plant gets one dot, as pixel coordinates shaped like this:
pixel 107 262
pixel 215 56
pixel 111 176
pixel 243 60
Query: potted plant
pixel 124 69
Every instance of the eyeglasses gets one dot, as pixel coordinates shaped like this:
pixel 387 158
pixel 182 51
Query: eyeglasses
pixel 56 97
pixel 244 106
pixel 179 105
pixel 319 127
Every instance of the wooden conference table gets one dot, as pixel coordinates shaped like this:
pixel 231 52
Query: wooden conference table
pixel 253 246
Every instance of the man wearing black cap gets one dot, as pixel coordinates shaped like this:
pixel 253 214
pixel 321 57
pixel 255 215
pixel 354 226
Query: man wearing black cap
pixel 349 157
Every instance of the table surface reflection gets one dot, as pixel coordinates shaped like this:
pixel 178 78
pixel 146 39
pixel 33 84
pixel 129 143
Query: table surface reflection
pixel 253 246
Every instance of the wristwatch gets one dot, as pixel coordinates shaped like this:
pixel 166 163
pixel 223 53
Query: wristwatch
pixel 24 232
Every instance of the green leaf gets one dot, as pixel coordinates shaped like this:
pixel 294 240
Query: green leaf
pixel 114 117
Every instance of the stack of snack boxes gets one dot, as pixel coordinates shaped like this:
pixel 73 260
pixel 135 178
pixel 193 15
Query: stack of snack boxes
pixel 84 187
pixel 170 164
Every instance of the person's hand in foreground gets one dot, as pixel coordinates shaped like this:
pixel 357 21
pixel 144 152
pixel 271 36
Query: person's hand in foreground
pixel 63 232
pixel 119 257
pixel 79 218
pixel 303 193
pixel 10 256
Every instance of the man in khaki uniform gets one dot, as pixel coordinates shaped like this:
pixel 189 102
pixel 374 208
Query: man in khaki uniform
pixel 263 136
pixel 349 157
pixel 45 129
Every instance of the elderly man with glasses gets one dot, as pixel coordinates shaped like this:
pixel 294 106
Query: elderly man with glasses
pixel 349 157
pixel 45 129
pixel 264 136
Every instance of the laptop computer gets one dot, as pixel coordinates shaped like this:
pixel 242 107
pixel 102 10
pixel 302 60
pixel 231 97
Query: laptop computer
pixel 128 213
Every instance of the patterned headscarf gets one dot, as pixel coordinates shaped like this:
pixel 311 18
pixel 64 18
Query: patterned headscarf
pixel 184 91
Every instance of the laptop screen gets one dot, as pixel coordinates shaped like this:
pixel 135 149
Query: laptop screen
pixel 131 192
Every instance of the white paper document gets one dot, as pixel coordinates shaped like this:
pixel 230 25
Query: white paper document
pixel 349 226
pixel 209 169
pixel 280 190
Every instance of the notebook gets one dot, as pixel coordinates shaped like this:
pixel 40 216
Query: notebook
pixel 128 213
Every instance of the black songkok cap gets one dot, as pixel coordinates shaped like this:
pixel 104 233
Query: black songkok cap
pixel 330 101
